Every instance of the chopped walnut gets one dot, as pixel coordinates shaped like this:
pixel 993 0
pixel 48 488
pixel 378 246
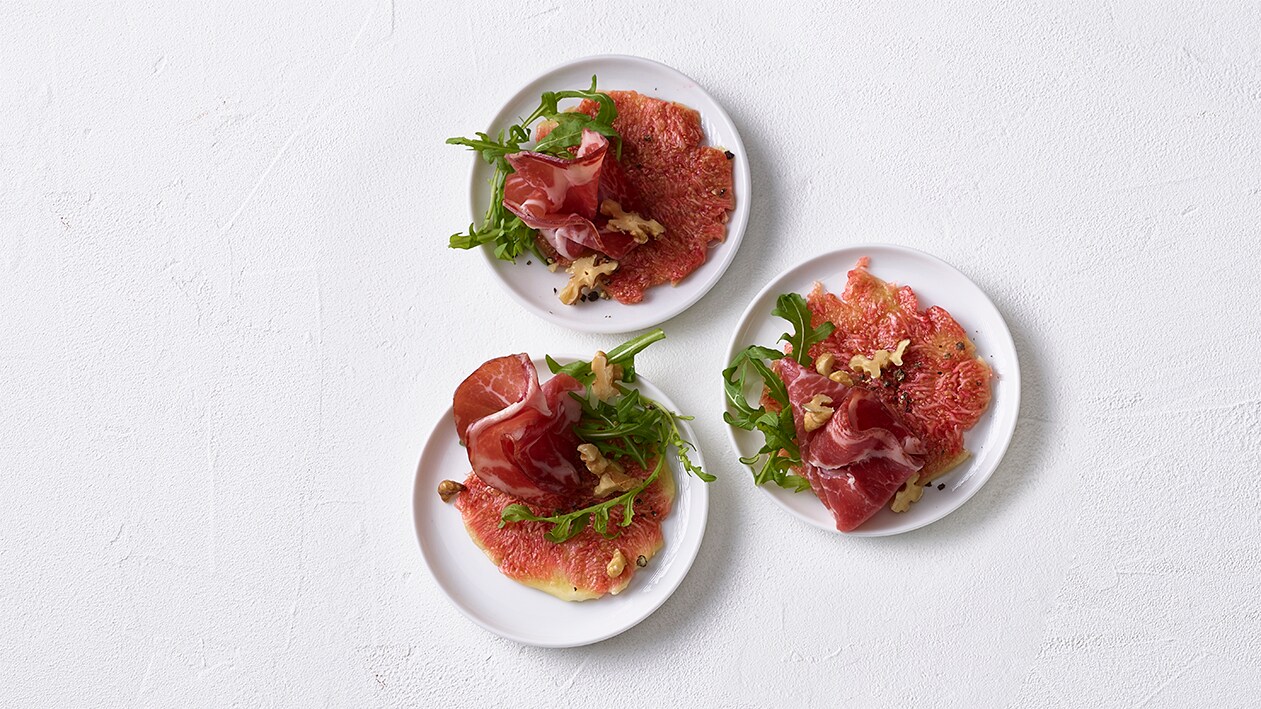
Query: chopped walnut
pixel 606 377
pixel 612 477
pixel 614 481
pixel 823 364
pixel 911 492
pixel 841 378
pixel 816 412
pixel 448 489
pixel 873 364
pixel 595 460
pixel 585 273
pixel 640 229
pixel 616 565
pixel 896 356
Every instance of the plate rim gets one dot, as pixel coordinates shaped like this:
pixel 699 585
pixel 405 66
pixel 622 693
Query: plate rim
pixel 730 244
pixel 1006 341
pixel 700 499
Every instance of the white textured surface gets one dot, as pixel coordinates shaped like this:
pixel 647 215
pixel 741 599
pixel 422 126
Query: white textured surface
pixel 227 314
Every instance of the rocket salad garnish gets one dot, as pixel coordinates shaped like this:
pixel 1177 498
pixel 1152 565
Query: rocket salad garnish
pixel 779 455
pixel 501 227
pixel 570 524
pixel 627 427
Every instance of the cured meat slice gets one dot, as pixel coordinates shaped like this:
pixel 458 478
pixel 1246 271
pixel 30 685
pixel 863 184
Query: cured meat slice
pixel 519 434
pixel 941 389
pixel 860 457
pixel 559 198
pixel 578 569
pixel 492 387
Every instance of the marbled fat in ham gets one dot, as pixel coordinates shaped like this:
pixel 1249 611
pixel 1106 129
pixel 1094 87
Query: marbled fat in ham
pixel 519 434
pixel 860 458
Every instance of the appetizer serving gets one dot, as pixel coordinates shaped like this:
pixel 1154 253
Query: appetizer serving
pixel 616 189
pixel 570 480
pixel 867 404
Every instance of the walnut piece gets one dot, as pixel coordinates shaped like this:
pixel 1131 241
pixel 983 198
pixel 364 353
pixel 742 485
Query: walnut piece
pixel 816 412
pixel 595 460
pixel 584 273
pixel 448 489
pixel 612 477
pixel 640 229
pixel 877 361
pixel 823 364
pixel 606 377
pixel 841 378
pixel 911 492
pixel 616 565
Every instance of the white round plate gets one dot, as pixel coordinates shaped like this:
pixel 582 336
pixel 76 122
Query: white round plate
pixel 531 285
pixel 527 615
pixel 936 283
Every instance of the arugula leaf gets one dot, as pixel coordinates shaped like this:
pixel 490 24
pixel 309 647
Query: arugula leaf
pixel 623 354
pixel 510 236
pixel 566 526
pixel 500 227
pixel 669 427
pixel 792 307
pixel 569 124
pixel 779 454
pixel 636 426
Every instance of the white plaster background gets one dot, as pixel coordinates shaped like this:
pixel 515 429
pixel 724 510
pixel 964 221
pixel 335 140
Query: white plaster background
pixel 228 316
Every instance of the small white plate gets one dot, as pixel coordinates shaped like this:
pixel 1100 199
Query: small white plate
pixel 935 283
pixel 527 615
pixel 531 285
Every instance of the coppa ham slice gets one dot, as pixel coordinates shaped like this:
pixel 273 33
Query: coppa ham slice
pixel 560 198
pixel 857 461
pixel 519 434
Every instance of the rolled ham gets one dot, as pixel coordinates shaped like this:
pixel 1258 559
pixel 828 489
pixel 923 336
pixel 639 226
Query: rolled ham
pixel 519 434
pixel 860 457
